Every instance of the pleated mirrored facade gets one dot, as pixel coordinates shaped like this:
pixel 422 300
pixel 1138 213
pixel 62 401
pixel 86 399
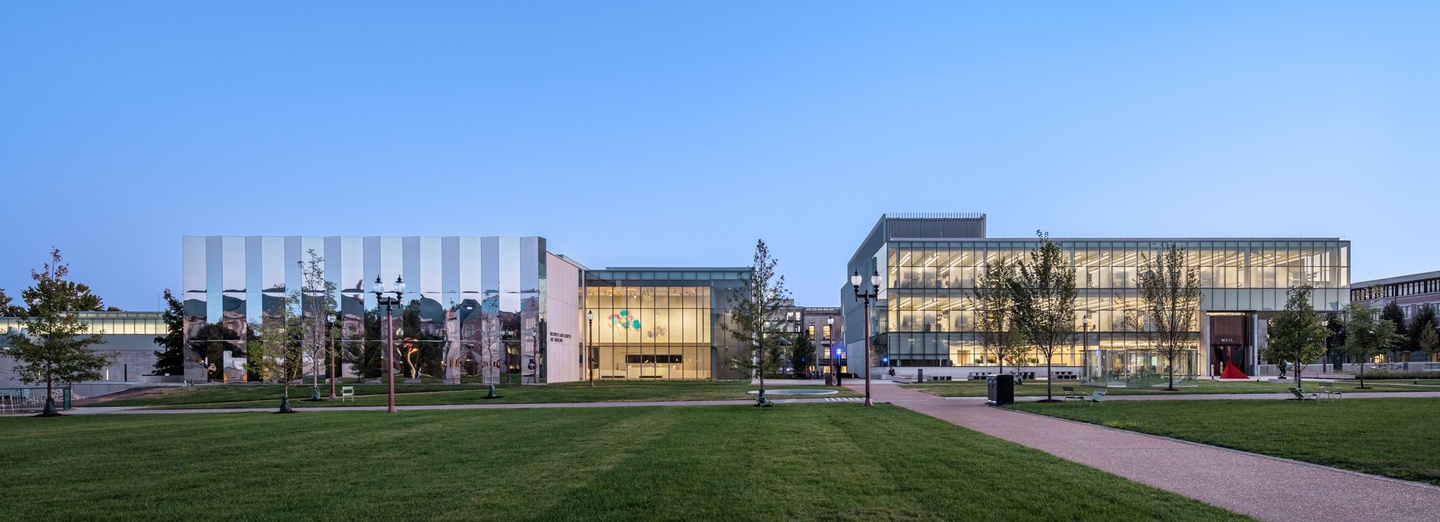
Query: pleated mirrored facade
pixel 483 298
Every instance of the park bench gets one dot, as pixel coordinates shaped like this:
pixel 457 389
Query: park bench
pixel 347 392
pixel 1302 396
pixel 1328 388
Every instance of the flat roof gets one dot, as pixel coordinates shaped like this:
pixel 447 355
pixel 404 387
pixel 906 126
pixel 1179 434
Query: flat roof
pixel 1397 279
pixel 1117 239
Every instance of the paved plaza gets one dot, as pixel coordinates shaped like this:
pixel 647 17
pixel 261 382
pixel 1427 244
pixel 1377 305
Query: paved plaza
pixel 1264 487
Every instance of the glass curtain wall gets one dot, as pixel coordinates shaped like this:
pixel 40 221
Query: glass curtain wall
pixel 651 332
pixel 931 311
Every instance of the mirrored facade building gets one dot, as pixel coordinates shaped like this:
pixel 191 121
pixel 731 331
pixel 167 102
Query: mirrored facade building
pixel 926 313
pixel 495 304
pixel 500 306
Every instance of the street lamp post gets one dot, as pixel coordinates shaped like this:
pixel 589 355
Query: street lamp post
pixel 873 293
pixel 1085 345
pixel 834 362
pixel 389 359
pixel 330 332
pixel 590 350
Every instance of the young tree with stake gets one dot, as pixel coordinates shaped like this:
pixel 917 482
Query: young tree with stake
pixel 1297 333
pixel 1044 290
pixel 1170 299
pixel 755 313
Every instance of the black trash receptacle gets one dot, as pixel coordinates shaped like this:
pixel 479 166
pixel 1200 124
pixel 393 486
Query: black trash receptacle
pixel 1001 390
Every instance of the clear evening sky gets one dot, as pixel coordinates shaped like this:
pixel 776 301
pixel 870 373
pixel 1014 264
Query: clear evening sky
pixel 677 133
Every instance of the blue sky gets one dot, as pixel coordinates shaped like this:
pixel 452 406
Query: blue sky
pixel 678 133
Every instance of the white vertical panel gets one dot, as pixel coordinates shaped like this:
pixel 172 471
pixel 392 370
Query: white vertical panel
pixel 563 321
pixel 192 252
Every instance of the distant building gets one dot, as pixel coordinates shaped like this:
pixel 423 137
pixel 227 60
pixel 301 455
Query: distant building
pixel 1410 292
pixel 129 341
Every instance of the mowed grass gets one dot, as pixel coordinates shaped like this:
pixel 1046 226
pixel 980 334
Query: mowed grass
pixel 268 395
pixel 1397 438
pixel 1037 388
pixel 796 462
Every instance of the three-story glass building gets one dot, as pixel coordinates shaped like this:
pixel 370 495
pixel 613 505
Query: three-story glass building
pixel 926 313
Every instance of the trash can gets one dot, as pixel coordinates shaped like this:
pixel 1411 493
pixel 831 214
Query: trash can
pixel 1001 390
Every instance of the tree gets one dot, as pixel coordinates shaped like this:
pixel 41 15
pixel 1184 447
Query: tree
pixel 1424 320
pixel 1368 335
pixel 1297 334
pixel 170 360
pixel 802 354
pixel 1170 304
pixel 1429 339
pixel 996 303
pixel 55 345
pixel 9 308
pixel 1336 337
pixel 1394 314
pixel 278 350
pixel 317 306
pixel 1044 290
pixel 755 313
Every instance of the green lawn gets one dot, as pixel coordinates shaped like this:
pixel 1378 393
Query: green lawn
pixel 795 462
pixel 1037 388
pixel 264 396
pixel 1398 438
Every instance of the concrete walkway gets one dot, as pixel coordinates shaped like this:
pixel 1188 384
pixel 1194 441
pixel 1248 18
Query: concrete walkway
pixel 1264 487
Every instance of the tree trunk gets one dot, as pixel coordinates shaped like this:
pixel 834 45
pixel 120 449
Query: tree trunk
pixel 1049 383
pixel 49 410
pixel 1170 363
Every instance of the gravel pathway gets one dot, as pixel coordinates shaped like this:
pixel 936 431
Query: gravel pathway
pixel 1267 488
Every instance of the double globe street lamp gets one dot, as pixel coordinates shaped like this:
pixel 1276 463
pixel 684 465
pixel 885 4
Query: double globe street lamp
pixel 388 360
pixel 590 350
pixel 867 295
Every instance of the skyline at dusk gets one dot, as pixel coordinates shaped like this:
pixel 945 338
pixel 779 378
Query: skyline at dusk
pixel 662 134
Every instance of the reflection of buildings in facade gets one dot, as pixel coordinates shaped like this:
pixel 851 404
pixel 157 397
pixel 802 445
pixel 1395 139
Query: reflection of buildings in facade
pixel 662 323
pixel 1410 292
pixel 503 277
pixel 925 315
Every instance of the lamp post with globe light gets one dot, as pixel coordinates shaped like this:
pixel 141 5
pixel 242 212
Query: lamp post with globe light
pixel 389 359
pixel 590 350
pixel 866 296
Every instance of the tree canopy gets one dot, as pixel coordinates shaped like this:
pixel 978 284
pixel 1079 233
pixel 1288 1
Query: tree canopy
pixel 55 345
pixel 1044 290
pixel 1367 335
pixel 995 300
pixel 1170 300
pixel 1297 334
pixel 170 360
pixel 1394 314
